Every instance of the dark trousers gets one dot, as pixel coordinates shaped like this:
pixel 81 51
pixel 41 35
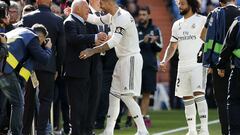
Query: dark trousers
pixel 234 102
pixel 9 85
pixel 29 107
pixel 78 91
pixel 104 97
pixel 61 103
pixel 93 101
pixel 220 87
pixel 46 91
pixel 3 111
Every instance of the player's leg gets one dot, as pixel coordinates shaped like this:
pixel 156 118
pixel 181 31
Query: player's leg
pixel 190 114
pixel 198 85
pixel 202 112
pixel 149 82
pixel 114 101
pixel 113 111
pixel 183 89
pixel 131 80
pixel 136 113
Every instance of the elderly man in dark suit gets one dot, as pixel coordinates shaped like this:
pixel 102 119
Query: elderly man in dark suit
pixel 79 36
pixel 46 74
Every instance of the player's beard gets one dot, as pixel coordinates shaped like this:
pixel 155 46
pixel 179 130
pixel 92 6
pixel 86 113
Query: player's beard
pixel 142 22
pixel 185 11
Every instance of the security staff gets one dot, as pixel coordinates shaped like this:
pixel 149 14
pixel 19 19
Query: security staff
pixel 24 47
pixel 231 50
pixel 212 48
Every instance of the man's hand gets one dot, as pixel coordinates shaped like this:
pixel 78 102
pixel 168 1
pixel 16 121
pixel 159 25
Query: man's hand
pixel 153 39
pixel 221 72
pixel 67 11
pixel 49 43
pixel 210 71
pixel 3 38
pixel 146 39
pixel 163 66
pixel 55 76
pixel 6 20
pixel 102 36
pixel 86 53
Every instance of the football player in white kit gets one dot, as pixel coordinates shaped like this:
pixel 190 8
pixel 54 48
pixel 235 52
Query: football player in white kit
pixel 126 81
pixel 191 78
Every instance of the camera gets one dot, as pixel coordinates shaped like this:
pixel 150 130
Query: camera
pixel 3 9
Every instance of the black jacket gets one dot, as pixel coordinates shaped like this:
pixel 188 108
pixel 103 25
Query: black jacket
pixel 54 25
pixel 149 50
pixel 78 38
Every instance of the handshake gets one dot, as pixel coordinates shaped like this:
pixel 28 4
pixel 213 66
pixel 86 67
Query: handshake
pixel 101 38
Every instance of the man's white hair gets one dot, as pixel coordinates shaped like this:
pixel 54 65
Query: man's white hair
pixel 76 3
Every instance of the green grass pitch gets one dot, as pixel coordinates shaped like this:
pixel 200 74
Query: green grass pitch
pixel 168 120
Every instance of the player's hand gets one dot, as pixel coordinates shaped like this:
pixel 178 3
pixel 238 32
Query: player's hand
pixel 86 53
pixel 98 42
pixel 210 71
pixel 109 37
pixel 163 66
pixel 102 36
pixel 221 72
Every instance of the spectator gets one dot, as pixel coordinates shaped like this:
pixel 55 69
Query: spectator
pixel 46 74
pixel 28 42
pixel 150 44
pixel 80 36
pixel 56 9
pixel 221 18
pixel 27 9
pixel 14 12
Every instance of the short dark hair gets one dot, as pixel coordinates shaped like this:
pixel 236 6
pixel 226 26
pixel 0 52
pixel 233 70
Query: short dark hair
pixel 145 8
pixel 40 28
pixel 195 5
pixel 28 8
pixel 225 1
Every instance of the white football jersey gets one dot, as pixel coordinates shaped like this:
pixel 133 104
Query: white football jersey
pixel 186 32
pixel 123 31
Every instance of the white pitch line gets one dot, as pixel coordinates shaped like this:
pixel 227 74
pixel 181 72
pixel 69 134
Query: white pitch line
pixel 183 128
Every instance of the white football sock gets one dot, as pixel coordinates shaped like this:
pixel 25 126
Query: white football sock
pixel 202 111
pixel 190 113
pixel 135 111
pixel 113 111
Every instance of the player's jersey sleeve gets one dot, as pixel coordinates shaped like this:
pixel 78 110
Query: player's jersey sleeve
pixel 122 23
pixel 93 19
pixel 174 36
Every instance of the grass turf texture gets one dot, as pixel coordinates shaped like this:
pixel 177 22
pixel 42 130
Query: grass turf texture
pixel 168 120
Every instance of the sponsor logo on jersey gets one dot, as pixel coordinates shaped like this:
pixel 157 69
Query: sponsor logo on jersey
pixel 194 26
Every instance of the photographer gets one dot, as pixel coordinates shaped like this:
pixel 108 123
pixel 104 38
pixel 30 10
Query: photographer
pixel 150 44
pixel 24 47
pixel 5 26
